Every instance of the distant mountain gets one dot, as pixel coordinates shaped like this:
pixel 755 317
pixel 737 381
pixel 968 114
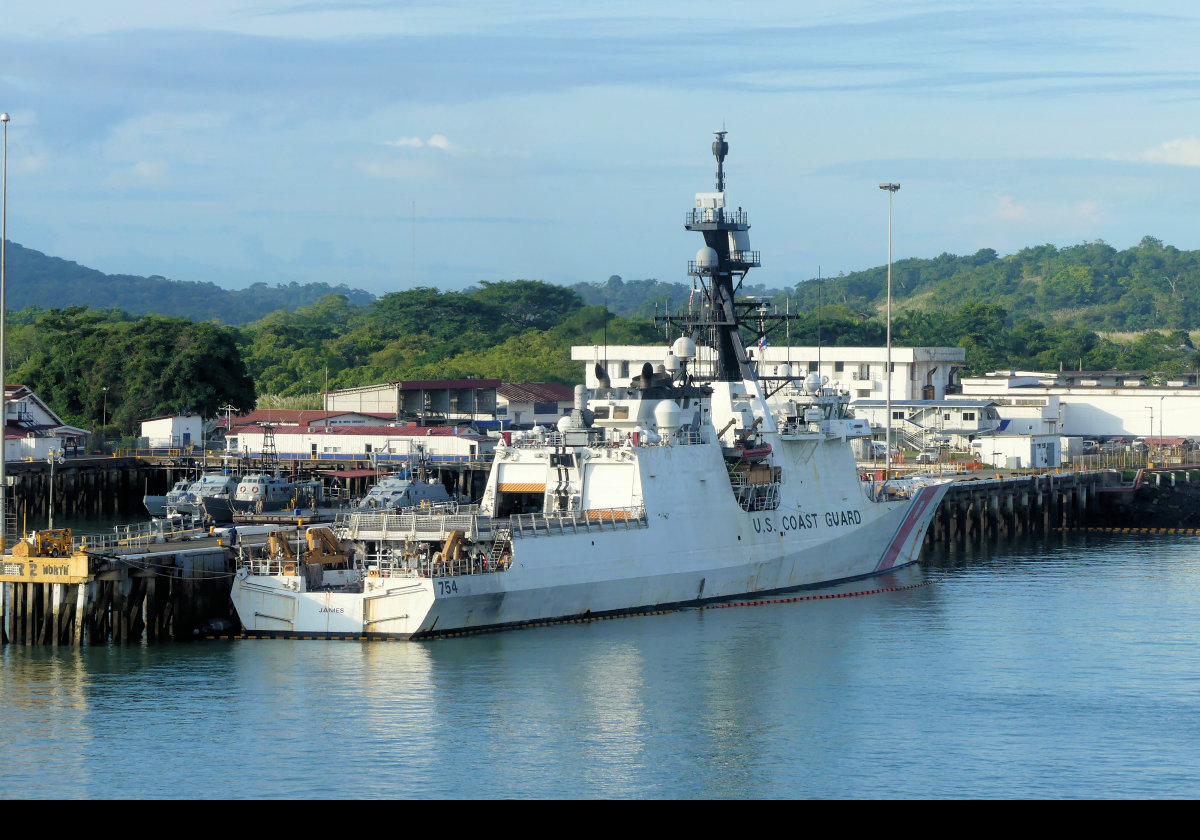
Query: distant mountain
pixel 35 279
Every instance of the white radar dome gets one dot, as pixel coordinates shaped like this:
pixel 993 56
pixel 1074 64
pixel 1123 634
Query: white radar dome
pixel 706 258
pixel 812 382
pixel 684 347
pixel 564 423
pixel 672 363
pixel 667 415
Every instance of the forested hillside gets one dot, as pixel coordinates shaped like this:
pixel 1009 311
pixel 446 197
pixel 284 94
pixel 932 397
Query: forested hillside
pixel 1091 285
pixel 34 279
pixel 1008 312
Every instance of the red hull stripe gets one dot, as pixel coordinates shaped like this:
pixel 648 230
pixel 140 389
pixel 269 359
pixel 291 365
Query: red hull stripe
pixel 915 512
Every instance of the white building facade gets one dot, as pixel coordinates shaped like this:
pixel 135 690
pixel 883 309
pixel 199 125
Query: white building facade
pixel 32 430
pixel 178 431
pixel 1090 405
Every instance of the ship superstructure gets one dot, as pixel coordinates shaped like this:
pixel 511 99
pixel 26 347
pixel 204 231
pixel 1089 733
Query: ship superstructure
pixel 682 487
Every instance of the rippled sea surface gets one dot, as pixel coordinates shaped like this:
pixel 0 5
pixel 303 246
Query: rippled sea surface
pixel 1067 668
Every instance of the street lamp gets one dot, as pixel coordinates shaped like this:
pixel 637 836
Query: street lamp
pixel 1161 412
pixel 891 191
pixel 228 409
pixel 3 388
pixel 1151 437
pixel 52 458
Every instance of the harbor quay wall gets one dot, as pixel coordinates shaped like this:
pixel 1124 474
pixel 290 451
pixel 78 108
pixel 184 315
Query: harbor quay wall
pixel 79 487
pixel 1005 506
pixel 117 597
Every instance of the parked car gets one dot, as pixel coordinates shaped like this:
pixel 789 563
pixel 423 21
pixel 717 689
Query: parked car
pixel 928 456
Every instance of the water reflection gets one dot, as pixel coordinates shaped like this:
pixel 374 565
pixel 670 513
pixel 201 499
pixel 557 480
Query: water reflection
pixel 1062 667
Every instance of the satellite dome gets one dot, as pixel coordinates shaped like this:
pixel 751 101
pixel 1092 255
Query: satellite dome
pixel 812 383
pixel 672 363
pixel 667 415
pixel 706 258
pixel 684 347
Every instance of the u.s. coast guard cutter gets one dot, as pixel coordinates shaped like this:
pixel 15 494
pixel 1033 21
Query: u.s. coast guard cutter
pixel 684 486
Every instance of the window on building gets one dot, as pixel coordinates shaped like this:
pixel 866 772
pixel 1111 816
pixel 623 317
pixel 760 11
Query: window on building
pixel 968 415
pixel 898 415
pixel 864 371
pixel 812 367
pixel 946 416
pixel 838 367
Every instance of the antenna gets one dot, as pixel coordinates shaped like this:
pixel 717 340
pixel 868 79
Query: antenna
pixel 820 289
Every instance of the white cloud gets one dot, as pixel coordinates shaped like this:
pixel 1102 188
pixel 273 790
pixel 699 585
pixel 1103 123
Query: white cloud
pixel 1006 208
pixel 437 141
pixel 1184 151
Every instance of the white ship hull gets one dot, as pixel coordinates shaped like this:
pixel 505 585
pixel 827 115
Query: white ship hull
pixel 688 549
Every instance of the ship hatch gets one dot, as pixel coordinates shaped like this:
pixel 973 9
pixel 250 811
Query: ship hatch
pixel 521 498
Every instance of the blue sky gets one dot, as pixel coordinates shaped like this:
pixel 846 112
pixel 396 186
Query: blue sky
pixel 391 144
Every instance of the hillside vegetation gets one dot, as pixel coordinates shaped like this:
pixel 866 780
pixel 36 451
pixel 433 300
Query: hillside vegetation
pixel 1042 308
pixel 36 280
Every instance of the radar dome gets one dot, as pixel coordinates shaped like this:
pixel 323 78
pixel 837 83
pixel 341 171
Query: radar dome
pixel 812 383
pixel 706 258
pixel 672 363
pixel 564 423
pixel 684 347
pixel 667 415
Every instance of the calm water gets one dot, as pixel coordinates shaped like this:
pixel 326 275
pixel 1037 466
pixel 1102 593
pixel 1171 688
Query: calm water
pixel 1061 669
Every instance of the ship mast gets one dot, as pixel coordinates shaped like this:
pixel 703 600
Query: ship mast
pixel 720 267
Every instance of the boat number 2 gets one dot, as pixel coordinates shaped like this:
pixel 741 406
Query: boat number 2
pixel 446 587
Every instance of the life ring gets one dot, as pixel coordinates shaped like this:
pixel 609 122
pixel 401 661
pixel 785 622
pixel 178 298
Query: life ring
pixel 241 488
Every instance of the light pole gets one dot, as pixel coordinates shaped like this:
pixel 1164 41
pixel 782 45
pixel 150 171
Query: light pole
pixel 3 386
pixel 1161 412
pixel 52 458
pixel 891 191
pixel 228 409
pixel 1151 437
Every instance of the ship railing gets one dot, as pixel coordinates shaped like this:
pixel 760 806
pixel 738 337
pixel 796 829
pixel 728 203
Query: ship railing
pixel 383 526
pixel 265 565
pixel 147 533
pixel 710 215
pixel 578 521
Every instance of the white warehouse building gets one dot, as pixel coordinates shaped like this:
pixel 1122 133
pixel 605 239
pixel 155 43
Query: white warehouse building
pixel 1089 403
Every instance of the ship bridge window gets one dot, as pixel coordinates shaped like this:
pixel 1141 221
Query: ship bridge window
pixel 620 412
pixel 600 412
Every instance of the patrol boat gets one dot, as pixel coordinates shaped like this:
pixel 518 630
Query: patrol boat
pixel 685 486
